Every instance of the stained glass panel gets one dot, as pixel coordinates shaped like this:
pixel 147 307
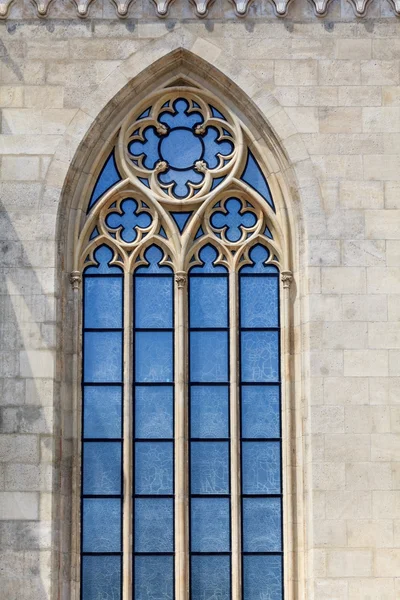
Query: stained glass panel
pixel 261 464
pixel 154 468
pixel 154 412
pixel 101 578
pixel 260 357
pixel 153 297
pixel 103 298
pixel 262 577
pixel 260 411
pixel 262 526
pixel 210 529
pixel 208 356
pixel 210 468
pixel 101 523
pixel 102 358
pixel 210 578
pixel 154 577
pixel 102 412
pixel 154 357
pixel 153 525
pixel 259 302
pixel 209 411
pixel 102 468
pixel 208 301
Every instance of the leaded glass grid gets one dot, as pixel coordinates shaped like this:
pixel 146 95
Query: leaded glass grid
pixel 181 253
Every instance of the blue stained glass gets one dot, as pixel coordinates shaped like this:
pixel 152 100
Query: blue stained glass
pixel 259 254
pixel 209 467
pixel 103 255
pixel 181 116
pixel 210 578
pixel 208 356
pixel 102 468
pixel 260 355
pixel 262 578
pixel 254 177
pixel 199 233
pixel 262 525
pixel 103 302
pixel 259 301
pixel 154 468
pixel 210 528
pixel 216 182
pixel 261 468
pixel 101 578
pixel 102 412
pixel 153 302
pixel 179 180
pixel 128 220
pixel 102 357
pixel 209 411
pixel 108 177
pixel 154 525
pixel 260 411
pixel 215 113
pixel 234 220
pixel 101 525
pixel 94 234
pixel 148 147
pixel 153 255
pixel 208 301
pixel 208 255
pixel 154 577
pixel 154 412
pixel 144 114
pixel 154 360
pixel 181 219
pixel 181 148
pixel 213 147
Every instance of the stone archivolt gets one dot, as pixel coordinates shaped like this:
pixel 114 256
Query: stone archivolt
pixel 201 7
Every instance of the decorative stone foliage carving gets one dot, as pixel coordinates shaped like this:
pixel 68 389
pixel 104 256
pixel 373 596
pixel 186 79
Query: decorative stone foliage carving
pixel 201 7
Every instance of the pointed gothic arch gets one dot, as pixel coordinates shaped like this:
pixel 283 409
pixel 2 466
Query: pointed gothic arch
pixel 171 74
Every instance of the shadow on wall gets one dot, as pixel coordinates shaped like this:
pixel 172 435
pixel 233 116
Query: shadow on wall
pixel 29 430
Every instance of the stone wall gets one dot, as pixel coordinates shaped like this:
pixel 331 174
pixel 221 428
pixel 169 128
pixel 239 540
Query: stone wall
pixel 329 90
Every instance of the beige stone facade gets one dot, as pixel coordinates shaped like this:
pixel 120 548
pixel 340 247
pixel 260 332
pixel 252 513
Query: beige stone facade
pixel 322 96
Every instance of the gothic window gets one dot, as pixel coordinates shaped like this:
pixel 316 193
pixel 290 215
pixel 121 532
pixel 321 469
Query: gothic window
pixel 181 251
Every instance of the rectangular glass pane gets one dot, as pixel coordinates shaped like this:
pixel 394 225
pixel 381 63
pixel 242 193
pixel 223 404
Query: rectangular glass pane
pixel 101 577
pixel 261 468
pixel 262 525
pixel 210 528
pixel 209 411
pixel 154 412
pixel 153 302
pixel 102 468
pixel 208 356
pixel 208 301
pixel 210 578
pixel 103 302
pixel 154 577
pixel 260 411
pixel 154 468
pixel 154 356
pixel 154 525
pixel 260 355
pixel 259 304
pixel 209 467
pixel 102 412
pixel 262 577
pixel 101 525
pixel 102 357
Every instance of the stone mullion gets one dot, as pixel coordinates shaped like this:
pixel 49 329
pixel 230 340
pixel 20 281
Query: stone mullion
pixel 127 541
pixel 181 435
pixel 236 563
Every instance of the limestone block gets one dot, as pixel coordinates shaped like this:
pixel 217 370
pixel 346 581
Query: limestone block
pixel 386 504
pixel 27 419
pixel 384 335
pixel 29 144
pixel 346 390
pixel 324 252
pixel 382 224
pixel 47 96
pixel 387 562
pixel 20 477
pixel 318 96
pixel 299 72
pixel 36 363
pixel 11 96
pixel 344 335
pixel 379 72
pixel 385 446
pixel 361 363
pixel 324 307
pixel 339 120
pixel 19 505
pixel 361 194
pixel 20 168
pixel 326 362
pixel 394 307
pixel 360 589
pixel 394 363
pixel 339 72
pixel 370 534
pixel 364 253
pixel 346 504
pixel 338 166
pixel 326 589
pixel 340 447
pixel 353 49
pixel 367 419
pixel 328 476
pixel 343 280
pixel 349 563
pixel 330 533
pixel 325 419
pixel 383 280
pixel 19 448
pixel 359 95
pixel 381 167
pixel 368 475
pixel 365 308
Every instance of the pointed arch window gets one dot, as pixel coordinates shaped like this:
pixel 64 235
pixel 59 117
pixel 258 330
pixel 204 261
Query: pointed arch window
pixel 181 251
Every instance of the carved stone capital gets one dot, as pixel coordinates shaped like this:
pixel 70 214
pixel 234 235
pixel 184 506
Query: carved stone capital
pixel 287 278
pixel 181 278
pixel 395 4
pixel 122 7
pixel 42 7
pixel 82 7
pixel 241 7
pixel 320 7
pixel 201 7
pixel 5 6
pixel 75 279
pixel 281 7
pixel 360 7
